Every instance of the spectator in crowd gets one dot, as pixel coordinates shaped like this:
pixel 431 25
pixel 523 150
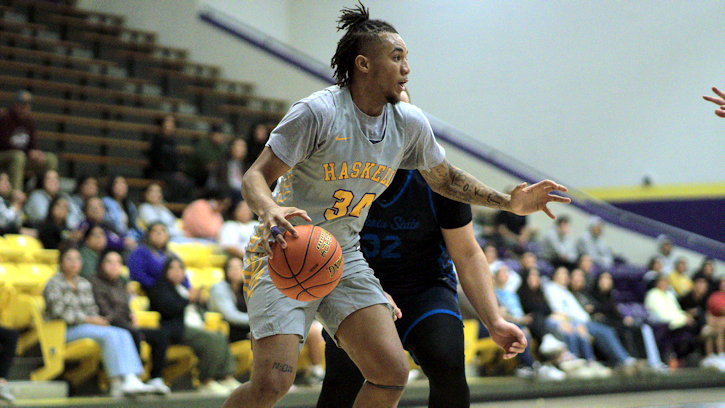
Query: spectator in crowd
pixel 586 265
pixel 227 297
pixel 562 301
pixel 513 311
pixel 153 210
pixel 146 261
pixel 682 336
pixel 11 206
pixel 86 187
pixel 69 297
pixel 207 159
pixel 591 242
pixel 18 147
pixel 654 268
pixel 234 168
pixel 93 244
pixel 707 270
pixel 557 246
pixel 111 296
pixel 8 342
pixel 235 233
pixel 165 161
pixel 512 232
pixel 679 279
pixel 121 211
pixel 597 300
pixel 54 229
pixel 710 327
pixel 717 100
pixel 666 253
pixel 256 140
pixel 203 217
pixel 95 213
pixel 172 299
pixel 36 208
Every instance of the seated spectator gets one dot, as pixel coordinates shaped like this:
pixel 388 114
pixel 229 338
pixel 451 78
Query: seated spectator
pixel 69 297
pixel 165 161
pixel 513 311
pixel 233 170
pixel 8 342
pixel 146 261
pixel 557 246
pixel 682 335
pixel 710 326
pixel 586 265
pixel 707 270
pixel 591 242
pixel 170 298
pixel 203 217
pixel 562 301
pixel 256 140
pixel 86 188
pixel 95 215
pixel 111 296
pixel 93 244
pixel 654 268
pixel 120 210
pixel 207 159
pixel 227 297
pixel 679 281
pixel 18 146
pixel 36 208
pixel 11 206
pixel 666 254
pixel 54 229
pixel 235 234
pixel 638 337
pixel 512 232
pixel 153 210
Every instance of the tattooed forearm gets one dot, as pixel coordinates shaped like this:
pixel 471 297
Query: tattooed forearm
pixel 456 184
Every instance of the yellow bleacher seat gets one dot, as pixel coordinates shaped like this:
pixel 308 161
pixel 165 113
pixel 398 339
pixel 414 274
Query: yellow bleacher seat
pixel 8 272
pixel 204 277
pixel 31 278
pixel 194 255
pixel 9 253
pixel 25 243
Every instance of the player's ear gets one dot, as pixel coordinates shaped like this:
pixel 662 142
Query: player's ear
pixel 362 63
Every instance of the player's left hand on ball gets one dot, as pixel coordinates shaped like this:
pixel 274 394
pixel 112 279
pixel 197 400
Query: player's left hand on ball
pixel 509 337
pixel 276 222
pixel 526 200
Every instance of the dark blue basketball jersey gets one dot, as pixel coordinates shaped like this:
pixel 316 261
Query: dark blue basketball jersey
pixel 402 239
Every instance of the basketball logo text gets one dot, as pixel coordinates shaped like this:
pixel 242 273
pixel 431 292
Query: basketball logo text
pixel 334 267
pixel 323 243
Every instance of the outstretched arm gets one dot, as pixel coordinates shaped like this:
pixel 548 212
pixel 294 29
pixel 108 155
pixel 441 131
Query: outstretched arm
pixel 255 190
pixel 454 183
pixel 719 100
pixel 477 284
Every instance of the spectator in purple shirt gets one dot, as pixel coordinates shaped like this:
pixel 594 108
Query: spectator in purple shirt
pixel 146 262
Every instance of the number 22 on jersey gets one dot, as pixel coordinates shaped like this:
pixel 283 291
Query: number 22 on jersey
pixel 344 199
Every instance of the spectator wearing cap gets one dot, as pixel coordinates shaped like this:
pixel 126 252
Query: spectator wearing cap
pixel 591 242
pixel 208 158
pixel 666 254
pixel 18 148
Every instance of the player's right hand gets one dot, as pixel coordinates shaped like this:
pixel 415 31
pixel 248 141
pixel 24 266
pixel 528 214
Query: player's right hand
pixel 275 220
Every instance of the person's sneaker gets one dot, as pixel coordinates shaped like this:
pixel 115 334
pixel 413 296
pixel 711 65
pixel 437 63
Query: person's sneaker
pixel 583 372
pixel 213 388
pixel 160 386
pixel 525 373
pixel 133 386
pixel 230 383
pixel 600 370
pixel 712 361
pixel 549 373
pixel 5 393
pixel 550 345
pixel 572 365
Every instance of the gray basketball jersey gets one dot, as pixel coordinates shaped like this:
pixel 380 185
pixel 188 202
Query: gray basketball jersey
pixel 336 171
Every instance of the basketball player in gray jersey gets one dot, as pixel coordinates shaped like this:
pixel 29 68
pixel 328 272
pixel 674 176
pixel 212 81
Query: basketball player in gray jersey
pixel 332 155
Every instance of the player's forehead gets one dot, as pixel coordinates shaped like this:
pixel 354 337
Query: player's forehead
pixel 392 42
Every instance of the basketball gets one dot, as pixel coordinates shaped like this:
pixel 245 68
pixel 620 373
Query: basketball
pixel 716 304
pixel 311 265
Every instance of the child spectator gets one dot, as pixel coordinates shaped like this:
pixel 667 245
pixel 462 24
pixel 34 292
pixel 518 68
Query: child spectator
pixel 170 298
pixel 69 297
pixel 146 262
pixel 54 229
pixel 111 296
pixel 235 234
pixel 226 297
pixel 11 206
pixel 121 211
pixel 153 210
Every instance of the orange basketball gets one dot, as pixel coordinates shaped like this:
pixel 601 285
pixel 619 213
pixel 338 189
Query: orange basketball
pixel 311 265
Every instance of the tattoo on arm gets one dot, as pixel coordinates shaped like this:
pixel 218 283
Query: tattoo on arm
pixel 458 185
pixel 284 368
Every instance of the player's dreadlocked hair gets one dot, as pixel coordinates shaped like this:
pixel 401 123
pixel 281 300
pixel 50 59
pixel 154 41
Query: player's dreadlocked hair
pixel 361 32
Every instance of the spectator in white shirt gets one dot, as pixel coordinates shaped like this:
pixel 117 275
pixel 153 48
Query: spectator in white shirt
pixel 153 210
pixel 235 234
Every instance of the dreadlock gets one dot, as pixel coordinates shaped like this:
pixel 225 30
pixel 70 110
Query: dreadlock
pixel 361 33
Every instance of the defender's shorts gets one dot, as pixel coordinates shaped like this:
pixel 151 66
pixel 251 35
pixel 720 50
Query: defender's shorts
pixel 271 312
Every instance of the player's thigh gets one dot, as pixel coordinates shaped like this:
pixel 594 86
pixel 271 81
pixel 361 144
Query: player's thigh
pixel 370 339
pixel 275 360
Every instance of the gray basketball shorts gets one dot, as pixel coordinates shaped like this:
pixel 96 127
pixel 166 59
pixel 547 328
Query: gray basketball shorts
pixel 271 312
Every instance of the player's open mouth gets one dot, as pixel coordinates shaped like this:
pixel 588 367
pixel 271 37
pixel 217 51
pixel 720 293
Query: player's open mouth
pixel 401 85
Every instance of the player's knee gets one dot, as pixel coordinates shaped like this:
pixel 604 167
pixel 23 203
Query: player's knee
pixel 271 387
pixel 394 373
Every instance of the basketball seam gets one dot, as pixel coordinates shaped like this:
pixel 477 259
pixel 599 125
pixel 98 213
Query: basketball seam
pixel 325 264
